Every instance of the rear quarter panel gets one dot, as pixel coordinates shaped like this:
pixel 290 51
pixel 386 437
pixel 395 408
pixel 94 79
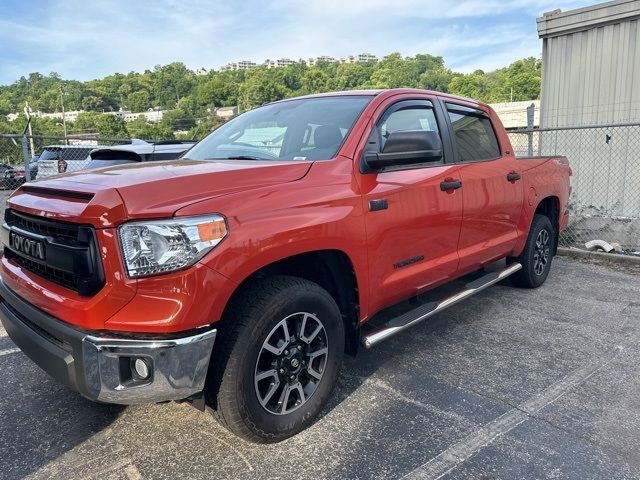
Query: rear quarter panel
pixel 543 177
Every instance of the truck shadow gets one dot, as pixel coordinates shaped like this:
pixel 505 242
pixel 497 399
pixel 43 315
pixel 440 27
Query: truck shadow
pixel 42 422
pixel 40 419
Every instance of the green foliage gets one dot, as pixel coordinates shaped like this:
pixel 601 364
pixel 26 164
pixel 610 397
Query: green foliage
pixel 202 129
pixel 261 86
pixel 140 128
pixel 96 122
pixel 87 122
pixel 137 101
pixel 518 81
pixel 112 126
pixel 191 99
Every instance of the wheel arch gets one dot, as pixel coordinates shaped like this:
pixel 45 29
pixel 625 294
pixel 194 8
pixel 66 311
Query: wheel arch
pixel 550 208
pixel 333 270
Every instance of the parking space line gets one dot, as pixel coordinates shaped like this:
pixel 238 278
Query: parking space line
pixel 9 351
pixel 458 453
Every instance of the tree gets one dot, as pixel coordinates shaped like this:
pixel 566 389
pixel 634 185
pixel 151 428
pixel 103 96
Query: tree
pixel 92 102
pixel 350 76
pixel 140 128
pixel 86 122
pixel 112 126
pixel 138 101
pixel 258 88
pixel 191 98
pixel 218 90
pixel 523 78
pixel 202 129
pixel 315 80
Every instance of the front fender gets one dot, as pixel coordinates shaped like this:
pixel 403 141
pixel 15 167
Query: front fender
pixel 321 212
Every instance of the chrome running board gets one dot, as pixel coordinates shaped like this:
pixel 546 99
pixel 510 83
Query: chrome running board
pixel 417 315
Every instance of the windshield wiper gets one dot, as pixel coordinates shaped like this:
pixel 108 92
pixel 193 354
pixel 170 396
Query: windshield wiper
pixel 244 157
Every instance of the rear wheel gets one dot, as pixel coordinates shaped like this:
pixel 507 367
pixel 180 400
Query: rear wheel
pixel 281 353
pixel 537 255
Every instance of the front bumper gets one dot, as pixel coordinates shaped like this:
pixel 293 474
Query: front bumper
pixel 99 365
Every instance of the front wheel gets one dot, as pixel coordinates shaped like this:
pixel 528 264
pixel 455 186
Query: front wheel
pixel 537 254
pixel 282 351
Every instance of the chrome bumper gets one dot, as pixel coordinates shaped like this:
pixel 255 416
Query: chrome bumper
pixel 177 367
pixel 100 367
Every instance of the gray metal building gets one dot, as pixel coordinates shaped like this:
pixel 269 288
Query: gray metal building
pixel 591 64
pixel 591 77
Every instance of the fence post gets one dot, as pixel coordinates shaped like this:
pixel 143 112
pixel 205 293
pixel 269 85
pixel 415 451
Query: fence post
pixel 531 109
pixel 26 158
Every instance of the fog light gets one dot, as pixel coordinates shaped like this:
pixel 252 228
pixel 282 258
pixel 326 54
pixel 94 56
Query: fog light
pixel 141 368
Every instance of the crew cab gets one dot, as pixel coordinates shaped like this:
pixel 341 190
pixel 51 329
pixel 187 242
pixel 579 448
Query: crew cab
pixel 237 276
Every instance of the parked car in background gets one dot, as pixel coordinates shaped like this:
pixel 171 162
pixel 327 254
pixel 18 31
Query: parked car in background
pixel 55 159
pixel 139 151
pixel 14 177
pixel 4 167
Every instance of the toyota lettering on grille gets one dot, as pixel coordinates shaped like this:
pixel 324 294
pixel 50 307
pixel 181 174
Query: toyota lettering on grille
pixel 27 246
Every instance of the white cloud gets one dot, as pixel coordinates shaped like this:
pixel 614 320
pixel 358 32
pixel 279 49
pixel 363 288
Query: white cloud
pixel 87 39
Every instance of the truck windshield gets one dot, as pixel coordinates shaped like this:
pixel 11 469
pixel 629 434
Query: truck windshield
pixel 303 129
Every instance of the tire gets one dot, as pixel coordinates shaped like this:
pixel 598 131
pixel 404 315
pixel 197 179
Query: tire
pixel 537 255
pixel 254 366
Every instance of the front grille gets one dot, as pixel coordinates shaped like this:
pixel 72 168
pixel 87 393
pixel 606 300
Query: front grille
pixel 66 232
pixel 67 280
pixel 71 261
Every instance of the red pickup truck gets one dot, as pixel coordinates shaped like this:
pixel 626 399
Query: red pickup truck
pixel 239 275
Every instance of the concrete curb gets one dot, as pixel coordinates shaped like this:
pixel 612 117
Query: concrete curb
pixel 609 257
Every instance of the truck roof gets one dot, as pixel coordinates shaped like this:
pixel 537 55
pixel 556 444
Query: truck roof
pixel 386 92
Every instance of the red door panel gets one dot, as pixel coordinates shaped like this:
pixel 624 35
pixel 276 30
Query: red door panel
pixel 412 244
pixel 492 201
pixel 492 208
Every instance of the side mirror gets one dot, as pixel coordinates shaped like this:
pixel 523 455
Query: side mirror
pixel 406 148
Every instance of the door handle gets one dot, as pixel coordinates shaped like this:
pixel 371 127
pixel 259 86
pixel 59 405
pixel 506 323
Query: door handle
pixel 450 185
pixel 513 177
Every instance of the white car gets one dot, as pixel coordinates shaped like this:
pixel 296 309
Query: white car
pixel 56 159
pixel 139 151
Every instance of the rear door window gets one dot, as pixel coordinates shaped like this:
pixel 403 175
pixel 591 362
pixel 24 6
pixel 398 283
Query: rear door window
pixel 474 135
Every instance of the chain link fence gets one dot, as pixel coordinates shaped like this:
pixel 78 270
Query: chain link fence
pixel 24 158
pixel 605 199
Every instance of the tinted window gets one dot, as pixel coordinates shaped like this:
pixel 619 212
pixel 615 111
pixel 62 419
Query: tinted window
pixel 59 153
pixel 475 138
pixel 410 119
pixel 50 154
pixel 405 116
pixel 303 129
pixel 165 155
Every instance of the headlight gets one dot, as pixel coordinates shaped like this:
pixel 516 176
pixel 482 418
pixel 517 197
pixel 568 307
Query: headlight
pixel 153 247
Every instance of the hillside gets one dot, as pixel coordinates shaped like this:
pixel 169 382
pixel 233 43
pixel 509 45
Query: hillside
pixel 191 98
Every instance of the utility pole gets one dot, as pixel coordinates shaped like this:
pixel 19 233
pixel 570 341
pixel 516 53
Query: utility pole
pixel 27 112
pixel 64 120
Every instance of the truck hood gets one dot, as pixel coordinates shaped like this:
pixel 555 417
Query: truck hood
pixel 110 195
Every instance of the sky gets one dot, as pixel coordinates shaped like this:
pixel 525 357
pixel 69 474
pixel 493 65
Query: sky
pixel 87 39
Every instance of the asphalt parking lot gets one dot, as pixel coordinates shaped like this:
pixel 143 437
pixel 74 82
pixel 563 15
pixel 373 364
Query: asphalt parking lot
pixel 511 384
